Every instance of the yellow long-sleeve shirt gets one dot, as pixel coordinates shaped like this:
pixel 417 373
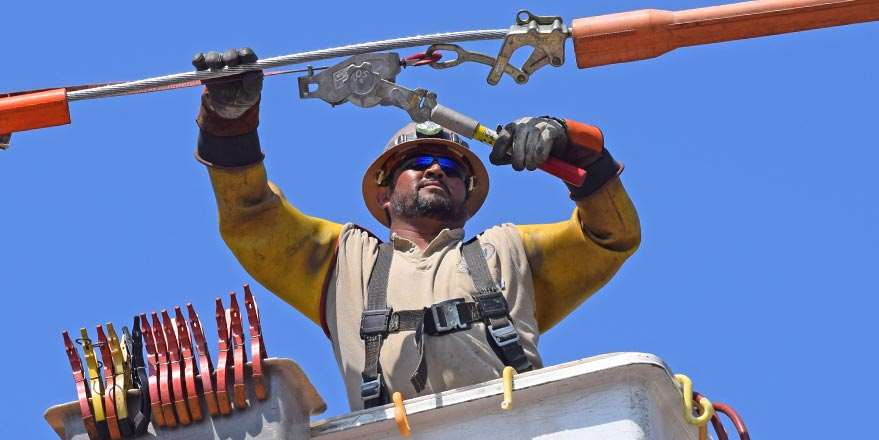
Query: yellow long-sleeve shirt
pixel 292 254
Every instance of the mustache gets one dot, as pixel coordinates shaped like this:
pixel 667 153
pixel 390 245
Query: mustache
pixel 425 182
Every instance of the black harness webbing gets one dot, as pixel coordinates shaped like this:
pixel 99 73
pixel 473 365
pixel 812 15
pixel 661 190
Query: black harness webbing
pixel 378 320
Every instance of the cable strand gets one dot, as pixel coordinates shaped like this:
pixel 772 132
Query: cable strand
pixel 285 60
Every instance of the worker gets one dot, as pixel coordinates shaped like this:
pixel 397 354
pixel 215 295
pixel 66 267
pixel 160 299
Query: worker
pixel 427 310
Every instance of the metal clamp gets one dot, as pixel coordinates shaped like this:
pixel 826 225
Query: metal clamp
pixel 446 317
pixel 177 380
pixel 165 388
pixel 190 368
pixel 340 83
pixel 96 383
pixel 239 354
pixel 156 414
pixel 121 381
pixel 133 341
pixel 82 389
pixel 257 345
pixel 463 56
pixel 110 390
pixel 224 359
pixel 368 84
pixel 546 34
pixel 206 366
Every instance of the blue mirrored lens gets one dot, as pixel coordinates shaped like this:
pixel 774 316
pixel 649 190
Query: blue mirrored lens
pixel 421 163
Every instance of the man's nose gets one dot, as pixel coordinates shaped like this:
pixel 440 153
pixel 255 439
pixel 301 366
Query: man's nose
pixel 435 171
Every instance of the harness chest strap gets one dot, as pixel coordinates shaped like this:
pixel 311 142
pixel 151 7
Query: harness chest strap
pixel 489 307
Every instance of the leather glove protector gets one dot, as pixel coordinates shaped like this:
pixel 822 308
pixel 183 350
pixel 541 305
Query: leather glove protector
pixel 229 113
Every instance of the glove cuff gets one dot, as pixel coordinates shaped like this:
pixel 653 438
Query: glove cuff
pixel 586 150
pixel 228 151
pixel 598 173
pixel 211 122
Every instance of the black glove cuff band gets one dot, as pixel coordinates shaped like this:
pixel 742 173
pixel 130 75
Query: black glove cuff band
pixel 597 174
pixel 228 151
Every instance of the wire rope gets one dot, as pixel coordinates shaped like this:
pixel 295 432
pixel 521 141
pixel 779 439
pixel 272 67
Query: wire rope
pixel 142 85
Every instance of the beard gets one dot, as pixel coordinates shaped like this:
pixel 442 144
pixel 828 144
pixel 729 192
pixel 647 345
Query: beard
pixel 434 204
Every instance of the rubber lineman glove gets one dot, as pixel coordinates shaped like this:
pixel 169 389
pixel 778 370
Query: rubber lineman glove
pixel 528 142
pixel 230 97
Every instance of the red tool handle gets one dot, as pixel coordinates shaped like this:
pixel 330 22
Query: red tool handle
pixel 555 166
pixel 565 171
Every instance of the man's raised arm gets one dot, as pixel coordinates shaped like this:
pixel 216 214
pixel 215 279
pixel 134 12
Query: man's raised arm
pixel 286 251
pixel 570 260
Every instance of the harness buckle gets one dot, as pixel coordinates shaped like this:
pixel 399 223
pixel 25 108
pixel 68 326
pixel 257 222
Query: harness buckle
pixel 375 322
pixel 505 335
pixel 371 389
pixel 446 317
pixel 492 305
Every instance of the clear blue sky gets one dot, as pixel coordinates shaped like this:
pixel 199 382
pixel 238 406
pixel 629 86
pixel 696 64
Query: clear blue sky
pixel 752 165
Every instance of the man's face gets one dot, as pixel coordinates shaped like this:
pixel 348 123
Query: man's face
pixel 429 185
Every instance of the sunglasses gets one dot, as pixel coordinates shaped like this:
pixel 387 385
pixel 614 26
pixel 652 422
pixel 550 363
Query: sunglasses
pixel 450 167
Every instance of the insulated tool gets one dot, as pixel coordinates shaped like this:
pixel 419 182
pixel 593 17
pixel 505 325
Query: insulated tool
pixel 224 359
pixel 368 80
pixel 82 390
pixel 190 370
pixel 165 387
pixel 239 354
pixel 257 345
pixel 176 370
pixel 205 365
pixel 152 385
pixel 134 346
pixel 109 381
pixel 599 40
pixel 95 382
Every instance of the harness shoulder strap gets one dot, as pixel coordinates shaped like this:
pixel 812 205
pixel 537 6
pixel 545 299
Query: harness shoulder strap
pixel 494 310
pixel 373 328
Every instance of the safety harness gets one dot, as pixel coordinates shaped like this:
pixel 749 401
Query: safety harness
pixel 488 306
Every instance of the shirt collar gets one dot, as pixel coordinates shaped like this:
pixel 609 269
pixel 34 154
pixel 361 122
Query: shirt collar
pixel 443 239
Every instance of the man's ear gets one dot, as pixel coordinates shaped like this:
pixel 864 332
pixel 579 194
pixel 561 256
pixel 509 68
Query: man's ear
pixel 383 197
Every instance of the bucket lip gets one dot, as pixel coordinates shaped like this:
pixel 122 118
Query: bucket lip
pixel 630 365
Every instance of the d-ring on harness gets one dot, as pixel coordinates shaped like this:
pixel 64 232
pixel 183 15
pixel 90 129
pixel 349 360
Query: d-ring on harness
pixel 378 320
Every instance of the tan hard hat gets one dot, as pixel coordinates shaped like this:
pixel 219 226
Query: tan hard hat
pixel 423 137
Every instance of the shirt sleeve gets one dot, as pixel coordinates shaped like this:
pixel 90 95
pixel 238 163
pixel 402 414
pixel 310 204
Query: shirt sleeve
pixel 571 260
pixel 288 252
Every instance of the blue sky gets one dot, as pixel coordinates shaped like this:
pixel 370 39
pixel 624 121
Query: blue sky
pixel 751 164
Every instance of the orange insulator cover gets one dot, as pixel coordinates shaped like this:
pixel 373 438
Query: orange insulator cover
pixel 32 110
pixel 648 33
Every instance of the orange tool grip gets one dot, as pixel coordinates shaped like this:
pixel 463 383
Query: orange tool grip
pixel 648 33
pixel 33 110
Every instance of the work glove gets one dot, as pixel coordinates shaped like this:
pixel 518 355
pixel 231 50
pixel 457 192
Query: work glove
pixel 229 113
pixel 528 142
pixel 230 97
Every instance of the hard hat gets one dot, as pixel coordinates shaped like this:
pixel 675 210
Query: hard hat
pixel 424 137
